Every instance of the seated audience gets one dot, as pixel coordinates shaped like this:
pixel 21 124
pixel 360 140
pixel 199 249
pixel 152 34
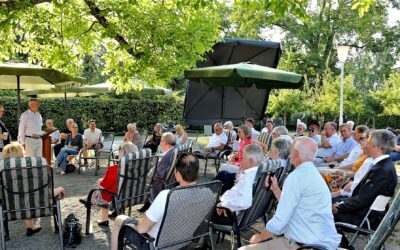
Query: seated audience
pixel 240 196
pixel 279 153
pixel 5 137
pixel 395 155
pixel 109 183
pixel 55 136
pixel 92 138
pixel 15 150
pixel 281 131
pixel 181 136
pixel 132 135
pixel 230 132
pixel 300 129
pixel 269 126
pixel 303 215
pixel 313 131
pixel 154 140
pixel 216 144
pixel 342 150
pixel 187 169
pixel 380 180
pixel 167 145
pixel 73 144
pixel 63 136
pixel 329 140
pixel 245 139
pixel 254 133
pixel 357 151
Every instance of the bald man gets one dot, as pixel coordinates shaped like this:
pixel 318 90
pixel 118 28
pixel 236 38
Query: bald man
pixel 304 214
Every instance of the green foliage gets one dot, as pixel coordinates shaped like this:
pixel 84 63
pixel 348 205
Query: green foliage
pixel 389 95
pixel 151 40
pixel 110 114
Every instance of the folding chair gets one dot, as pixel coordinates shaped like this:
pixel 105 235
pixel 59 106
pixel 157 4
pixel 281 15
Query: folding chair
pixel 133 172
pixel 169 180
pixel 386 227
pixel 186 218
pixel 244 219
pixel 378 205
pixel 104 153
pixel 28 193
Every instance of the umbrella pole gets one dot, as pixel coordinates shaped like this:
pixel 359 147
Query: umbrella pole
pixel 19 97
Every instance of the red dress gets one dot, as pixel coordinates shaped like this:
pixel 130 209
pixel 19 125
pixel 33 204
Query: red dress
pixel 109 182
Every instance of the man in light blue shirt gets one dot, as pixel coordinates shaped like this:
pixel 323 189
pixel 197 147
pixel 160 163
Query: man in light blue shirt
pixel 304 213
pixel 343 149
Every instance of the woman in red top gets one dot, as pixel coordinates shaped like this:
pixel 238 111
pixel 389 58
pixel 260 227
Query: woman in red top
pixel 109 181
pixel 244 134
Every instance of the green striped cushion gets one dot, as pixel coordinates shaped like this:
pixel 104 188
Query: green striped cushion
pixel 22 162
pixel 142 153
pixel 185 147
pixel 27 188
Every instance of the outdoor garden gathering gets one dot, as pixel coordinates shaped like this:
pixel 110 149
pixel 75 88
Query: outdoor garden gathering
pixel 199 124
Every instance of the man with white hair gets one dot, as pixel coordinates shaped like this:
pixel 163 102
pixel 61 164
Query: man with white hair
pixel 281 131
pixel 240 196
pixel 329 139
pixel 228 130
pixel 303 214
pixel 300 129
pixel 57 148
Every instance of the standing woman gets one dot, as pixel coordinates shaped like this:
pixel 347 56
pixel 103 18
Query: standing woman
pixel 154 141
pixel 4 134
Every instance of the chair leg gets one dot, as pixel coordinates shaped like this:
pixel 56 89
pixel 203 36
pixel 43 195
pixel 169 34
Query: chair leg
pixel 3 240
pixel 205 167
pixel 211 232
pixel 60 234
pixel 239 242
pixel 88 208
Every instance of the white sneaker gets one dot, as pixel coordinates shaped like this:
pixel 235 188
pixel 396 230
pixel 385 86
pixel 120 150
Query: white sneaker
pixel 62 173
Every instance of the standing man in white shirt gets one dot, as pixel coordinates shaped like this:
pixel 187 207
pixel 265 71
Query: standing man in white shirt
pixel 91 138
pixel 240 196
pixel 30 123
pixel 304 214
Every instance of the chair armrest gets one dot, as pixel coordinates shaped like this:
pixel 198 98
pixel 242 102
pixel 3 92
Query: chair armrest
pixel 89 197
pixel 146 236
pixel 354 227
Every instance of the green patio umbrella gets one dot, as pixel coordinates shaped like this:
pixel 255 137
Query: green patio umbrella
pixel 28 76
pixel 232 92
pixel 245 75
pixel 91 90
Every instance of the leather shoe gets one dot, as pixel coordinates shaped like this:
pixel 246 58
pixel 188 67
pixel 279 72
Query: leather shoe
pixel 144 208
pixel 103 223
pixel 30 231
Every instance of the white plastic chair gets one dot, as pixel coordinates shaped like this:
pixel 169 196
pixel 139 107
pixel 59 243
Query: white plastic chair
pixel 378 205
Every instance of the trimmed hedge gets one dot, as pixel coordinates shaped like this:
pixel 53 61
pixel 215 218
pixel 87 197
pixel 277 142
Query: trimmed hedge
pixel 110 114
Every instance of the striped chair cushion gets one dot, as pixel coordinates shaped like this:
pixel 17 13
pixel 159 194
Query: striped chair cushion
pixel 27 188
pixel 132 175
pixel 22 162
pixel 142 153
pixel 185 147
pixel 265 138
pixel 267 165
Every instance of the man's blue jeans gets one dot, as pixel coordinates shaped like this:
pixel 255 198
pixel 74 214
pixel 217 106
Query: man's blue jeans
pixel 62 156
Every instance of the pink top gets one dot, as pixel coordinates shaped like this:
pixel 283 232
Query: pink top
pixel 239 154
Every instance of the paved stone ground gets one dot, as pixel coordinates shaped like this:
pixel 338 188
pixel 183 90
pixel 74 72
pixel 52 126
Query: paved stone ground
pixel 77 186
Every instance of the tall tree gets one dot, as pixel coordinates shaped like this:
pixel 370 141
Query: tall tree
pixel 152 40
